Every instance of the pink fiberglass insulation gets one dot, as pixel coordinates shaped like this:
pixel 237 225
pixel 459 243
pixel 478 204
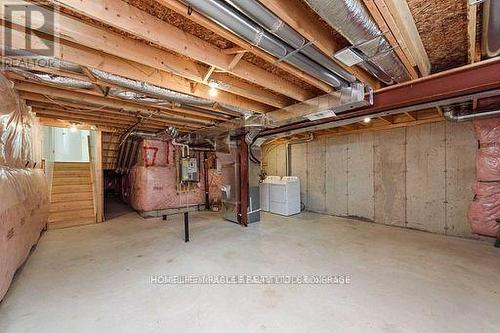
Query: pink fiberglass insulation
pixel 485 208
pixel 153 182
pixel 488 157
pixel 488 163
pixel 24 197
pixel 24 212
pixel 155 153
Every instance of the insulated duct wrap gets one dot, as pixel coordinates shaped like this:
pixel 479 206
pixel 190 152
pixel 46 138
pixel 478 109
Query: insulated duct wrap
pixel 27 59
pixel 351 20
pixel 57 80
pixel 150 89
pixel 24 197
pixel 170 95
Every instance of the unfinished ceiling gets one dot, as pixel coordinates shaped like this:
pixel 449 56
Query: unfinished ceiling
pixel 443 28
pixel 168 45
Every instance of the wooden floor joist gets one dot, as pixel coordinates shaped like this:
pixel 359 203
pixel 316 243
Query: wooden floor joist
pixel 132 20
pixel 129 58
pixel 294 14
pixel 198 18
pixel 87 97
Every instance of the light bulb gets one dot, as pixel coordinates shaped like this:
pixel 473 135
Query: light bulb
pixel 367 120
pixel 213 92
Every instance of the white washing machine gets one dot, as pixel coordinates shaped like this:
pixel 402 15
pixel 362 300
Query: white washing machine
pixel 264 191
pixel 284 196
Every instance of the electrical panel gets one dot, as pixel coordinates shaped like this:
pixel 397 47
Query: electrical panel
pixel 189 169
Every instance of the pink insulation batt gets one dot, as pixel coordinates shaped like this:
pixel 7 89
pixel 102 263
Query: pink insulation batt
pixel 488 158
pixel 24 195
pixel 24 210
pixel 485 209
pixel 153 180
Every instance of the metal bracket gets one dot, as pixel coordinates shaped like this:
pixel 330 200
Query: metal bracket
pixel 293 52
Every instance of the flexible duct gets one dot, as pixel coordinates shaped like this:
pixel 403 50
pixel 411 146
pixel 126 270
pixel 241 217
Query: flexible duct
pixel 138 97
pixel 491 28
pixel 351 20
pixel 27 58
pixel 170 95
pixel 150 89
pixel 52 79
pixel 263 16
pixel 233 20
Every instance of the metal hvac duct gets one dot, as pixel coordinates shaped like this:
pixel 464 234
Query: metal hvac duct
pixel 351 20
pixel 233 20
pixel 491 28
pixel 263 16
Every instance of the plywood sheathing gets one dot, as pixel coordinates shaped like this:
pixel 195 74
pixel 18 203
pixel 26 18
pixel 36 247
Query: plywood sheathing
pixel 443 28
pixel 416 177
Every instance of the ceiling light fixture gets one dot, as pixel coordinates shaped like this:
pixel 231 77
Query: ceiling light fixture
pixel 213 92
pixel 367 120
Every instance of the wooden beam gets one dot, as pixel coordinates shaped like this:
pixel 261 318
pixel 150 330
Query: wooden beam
pixel 234 50
pixel 125 17
pixel 198 18
pixel 98 100
pixel 132 56
pixel 54 122
pixel 472 31
pixel 236 59
pixel 102 90
pixel 403 18
pixel 387 119
pixel 101 114
pixel 400 49
pixel 207 75
pixel 412 115
pixel 294 13
pixel 176 111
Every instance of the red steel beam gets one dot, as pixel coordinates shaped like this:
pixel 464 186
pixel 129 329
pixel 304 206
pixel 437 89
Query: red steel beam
pixel 244 188
pixel 466 80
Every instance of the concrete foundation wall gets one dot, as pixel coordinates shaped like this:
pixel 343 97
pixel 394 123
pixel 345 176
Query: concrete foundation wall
pixel 417 177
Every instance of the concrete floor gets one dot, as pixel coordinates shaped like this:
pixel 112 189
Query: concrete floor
pixel 114 207
pixel 97 279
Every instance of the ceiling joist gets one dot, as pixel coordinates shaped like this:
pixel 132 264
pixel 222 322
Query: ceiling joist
pixel 150 60
pixel 132 20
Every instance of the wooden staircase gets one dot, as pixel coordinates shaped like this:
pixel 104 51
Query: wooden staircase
pixel 72 200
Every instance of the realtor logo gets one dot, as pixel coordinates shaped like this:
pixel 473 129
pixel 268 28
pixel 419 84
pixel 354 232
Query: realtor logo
pixel 29 29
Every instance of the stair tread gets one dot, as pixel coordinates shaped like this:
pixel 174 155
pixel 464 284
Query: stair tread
pixel 70 223
pixel 74 214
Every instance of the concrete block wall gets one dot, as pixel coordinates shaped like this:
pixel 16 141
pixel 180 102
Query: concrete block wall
pixel 417 177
